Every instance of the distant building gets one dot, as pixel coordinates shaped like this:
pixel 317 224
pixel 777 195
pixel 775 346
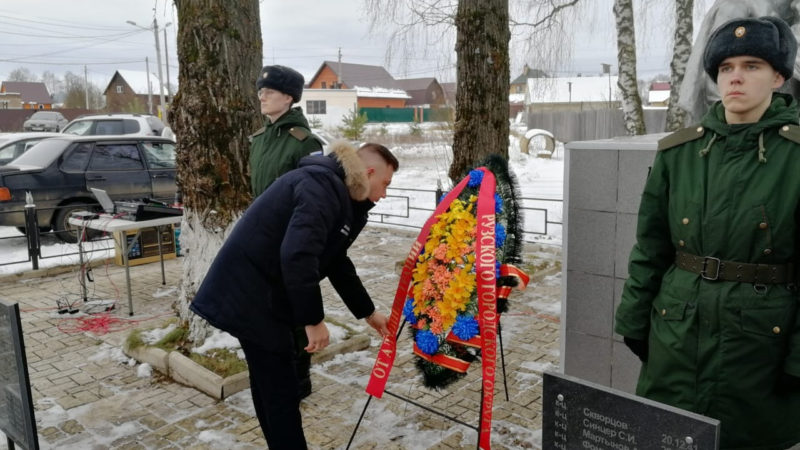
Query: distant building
pixel 376 84
pixel 24 95
pixel 572 94
pixel 425 92
pixel 520 84
pixel 132 91
pixel 659 94
pixel 450 93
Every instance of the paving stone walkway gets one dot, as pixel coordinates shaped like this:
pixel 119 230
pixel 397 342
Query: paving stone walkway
pixel 88 395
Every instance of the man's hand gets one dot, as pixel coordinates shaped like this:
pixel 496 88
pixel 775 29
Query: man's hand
pixel 379 322
pixel 318 337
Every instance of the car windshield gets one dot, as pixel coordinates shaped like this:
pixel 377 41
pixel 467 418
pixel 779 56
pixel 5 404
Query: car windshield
pixel 80 128
pixel 41 155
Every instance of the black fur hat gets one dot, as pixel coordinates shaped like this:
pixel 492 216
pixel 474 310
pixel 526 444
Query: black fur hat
pixel 768 38
pixel 283 79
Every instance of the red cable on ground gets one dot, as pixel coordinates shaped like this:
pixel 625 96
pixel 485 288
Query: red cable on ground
pixel 98 324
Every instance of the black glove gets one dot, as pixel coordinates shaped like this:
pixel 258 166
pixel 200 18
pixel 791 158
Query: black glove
pixel 787 383
pixel 638 347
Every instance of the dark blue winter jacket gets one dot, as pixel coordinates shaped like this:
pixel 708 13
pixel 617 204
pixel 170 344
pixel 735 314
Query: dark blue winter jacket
pixel 265 279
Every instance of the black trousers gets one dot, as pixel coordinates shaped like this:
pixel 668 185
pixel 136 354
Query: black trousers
pixel 273 384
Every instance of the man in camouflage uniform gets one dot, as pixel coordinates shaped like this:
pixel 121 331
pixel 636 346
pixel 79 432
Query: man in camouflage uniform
pixel 711 302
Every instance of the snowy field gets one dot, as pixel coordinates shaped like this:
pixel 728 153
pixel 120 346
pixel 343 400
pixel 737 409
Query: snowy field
pixel 410 200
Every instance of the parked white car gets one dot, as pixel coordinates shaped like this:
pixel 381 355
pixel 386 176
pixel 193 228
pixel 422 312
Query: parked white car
pixel 116 124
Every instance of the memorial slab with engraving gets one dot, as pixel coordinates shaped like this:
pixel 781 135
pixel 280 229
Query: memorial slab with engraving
pixel 580 414
pixel 17 421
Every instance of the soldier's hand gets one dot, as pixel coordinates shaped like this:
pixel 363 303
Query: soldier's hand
pixel 318 337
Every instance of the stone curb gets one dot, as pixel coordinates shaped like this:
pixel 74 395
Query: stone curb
pixel 185 371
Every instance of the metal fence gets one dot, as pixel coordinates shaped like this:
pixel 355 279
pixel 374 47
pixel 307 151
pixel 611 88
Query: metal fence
pixel 34 237
pixel 410 208
pixel 403 207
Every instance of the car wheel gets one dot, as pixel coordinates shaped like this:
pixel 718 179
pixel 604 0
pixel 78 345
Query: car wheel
pixel 67 232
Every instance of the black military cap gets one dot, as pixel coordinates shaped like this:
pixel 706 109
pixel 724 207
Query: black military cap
pixel 283 79
pixel 768 38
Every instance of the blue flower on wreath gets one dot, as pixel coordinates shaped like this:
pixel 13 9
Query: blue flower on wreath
pixel 466 327
pixel 441 199
pixel 498 203
pixel 427 342
pixel 475 178
pixel 408 311
pixel 499 235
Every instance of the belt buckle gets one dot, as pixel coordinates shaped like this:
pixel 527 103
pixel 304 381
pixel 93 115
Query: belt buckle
pixel 704 273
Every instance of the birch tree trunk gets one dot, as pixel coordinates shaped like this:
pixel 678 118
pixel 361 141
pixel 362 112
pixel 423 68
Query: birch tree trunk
pixel 481 127
pixel 682 48
pixel 216 108
pixel 626 58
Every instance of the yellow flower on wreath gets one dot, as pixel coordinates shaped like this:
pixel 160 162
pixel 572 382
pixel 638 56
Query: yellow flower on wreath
pixel 443 279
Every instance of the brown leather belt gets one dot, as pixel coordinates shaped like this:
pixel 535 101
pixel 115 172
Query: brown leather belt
pixel 712 269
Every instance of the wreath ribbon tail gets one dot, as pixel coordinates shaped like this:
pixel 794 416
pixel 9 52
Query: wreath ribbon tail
pixel 509 270
pixel 487 300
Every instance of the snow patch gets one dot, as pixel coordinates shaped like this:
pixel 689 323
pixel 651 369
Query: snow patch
pixel 144 370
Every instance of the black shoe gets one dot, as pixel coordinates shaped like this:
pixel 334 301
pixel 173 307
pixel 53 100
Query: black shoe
pixel 303 388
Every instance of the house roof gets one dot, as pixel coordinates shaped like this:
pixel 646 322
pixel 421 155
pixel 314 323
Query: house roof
pixel 660 86
pixel 583 89
pixel 414 84
pixel 527 72
pixel 138 81
pixel 449 91
pixel 359 74
pixel 35 92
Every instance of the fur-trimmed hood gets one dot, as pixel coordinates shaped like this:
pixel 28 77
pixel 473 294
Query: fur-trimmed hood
pixel 355 172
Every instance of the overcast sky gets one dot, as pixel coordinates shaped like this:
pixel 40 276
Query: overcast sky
pixel 61 36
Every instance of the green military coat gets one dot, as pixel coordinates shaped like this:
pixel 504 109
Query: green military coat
pixel 718 347
pixel 278 147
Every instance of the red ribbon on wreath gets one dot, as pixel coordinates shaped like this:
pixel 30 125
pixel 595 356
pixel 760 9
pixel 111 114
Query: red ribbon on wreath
pixel 485 255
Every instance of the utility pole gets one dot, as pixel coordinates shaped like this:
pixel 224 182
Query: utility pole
pixel 160 76
pixel 158 63
pixel 86 86
pixel 149 87
pixel 339 72
pixel 166 63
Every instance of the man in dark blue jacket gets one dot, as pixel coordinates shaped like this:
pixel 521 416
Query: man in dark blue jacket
pixel 265 280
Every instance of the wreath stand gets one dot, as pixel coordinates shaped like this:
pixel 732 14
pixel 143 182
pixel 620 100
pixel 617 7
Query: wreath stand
pixel 428 408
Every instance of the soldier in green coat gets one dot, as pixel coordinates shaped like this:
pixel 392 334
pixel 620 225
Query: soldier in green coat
pixel 711 302
pixel 276 149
